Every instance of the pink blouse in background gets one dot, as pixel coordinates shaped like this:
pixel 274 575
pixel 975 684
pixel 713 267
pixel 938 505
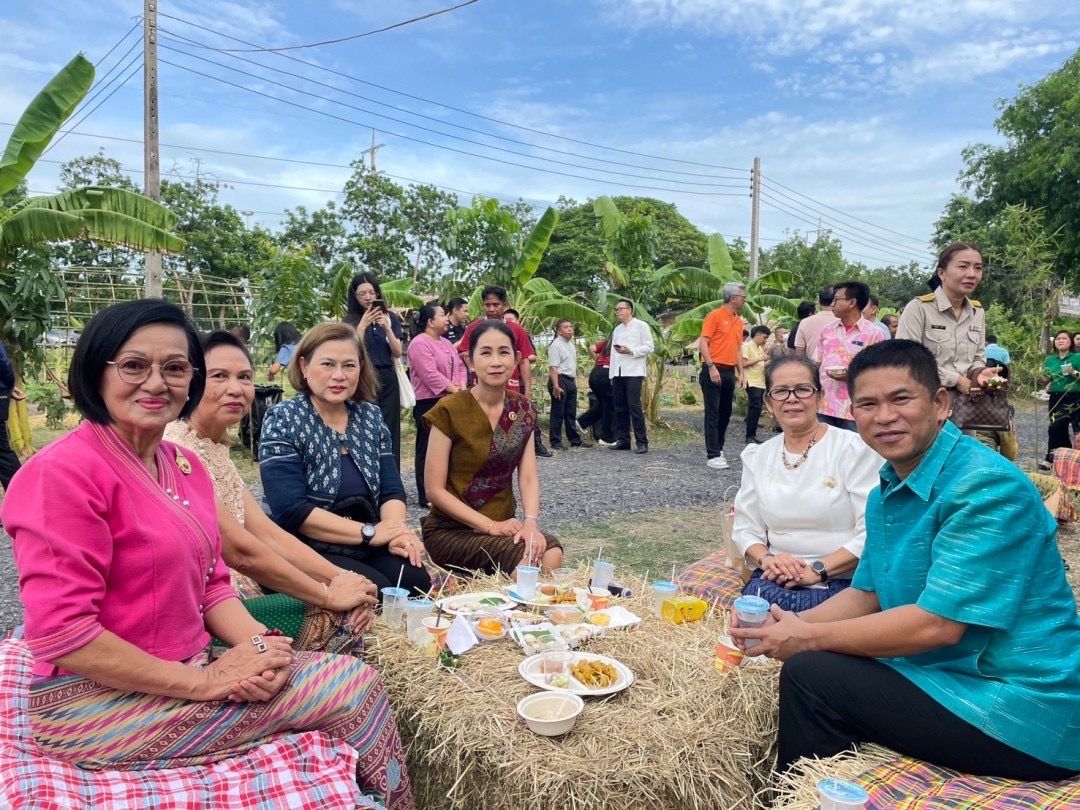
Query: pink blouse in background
pixel 433 365
pixel 99 545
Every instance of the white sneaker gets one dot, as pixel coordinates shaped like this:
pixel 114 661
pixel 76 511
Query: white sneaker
pixel 717 463
pixel 602 443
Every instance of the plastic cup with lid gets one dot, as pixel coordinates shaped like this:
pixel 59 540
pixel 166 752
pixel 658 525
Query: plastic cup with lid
pixel 837 794
pixel 752 612
pixel 662 589
pixel 393 605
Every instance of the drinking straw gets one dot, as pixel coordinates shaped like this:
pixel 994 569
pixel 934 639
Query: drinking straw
pixel 401 572
pixel 600 554
pixel 673 572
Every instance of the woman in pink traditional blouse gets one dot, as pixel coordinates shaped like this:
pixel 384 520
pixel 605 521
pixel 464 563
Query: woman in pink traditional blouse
pixel 120 574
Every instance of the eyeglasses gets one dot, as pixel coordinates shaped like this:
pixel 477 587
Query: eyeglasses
pixel 838 298
pixel 782 394
pixel 622 307
pixel 136 370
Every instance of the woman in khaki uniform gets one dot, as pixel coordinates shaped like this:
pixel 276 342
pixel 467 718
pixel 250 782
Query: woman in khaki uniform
pixel 949 322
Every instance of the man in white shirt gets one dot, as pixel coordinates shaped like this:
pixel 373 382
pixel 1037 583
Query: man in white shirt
pixel 870 312
pixel 562 385
pixel 631 344
pixel 806 338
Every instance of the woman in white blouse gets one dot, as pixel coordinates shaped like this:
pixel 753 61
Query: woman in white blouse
pixel 799 512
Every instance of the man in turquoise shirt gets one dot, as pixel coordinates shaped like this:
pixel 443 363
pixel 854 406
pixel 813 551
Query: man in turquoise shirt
pixel 959 641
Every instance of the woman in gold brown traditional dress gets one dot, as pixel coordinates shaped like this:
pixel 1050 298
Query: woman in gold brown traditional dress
pixel 479 437
pixel 322 607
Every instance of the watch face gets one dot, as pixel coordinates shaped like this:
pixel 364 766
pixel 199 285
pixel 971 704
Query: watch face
pixel 817 566
pixel 368 531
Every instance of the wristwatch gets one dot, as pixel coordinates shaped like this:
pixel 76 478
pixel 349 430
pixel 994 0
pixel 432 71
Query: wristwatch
pixel 818 567
pixel 367 534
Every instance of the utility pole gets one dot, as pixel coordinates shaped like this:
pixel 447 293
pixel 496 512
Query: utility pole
pixel 374 148
pixel 151 154
pixel 755 216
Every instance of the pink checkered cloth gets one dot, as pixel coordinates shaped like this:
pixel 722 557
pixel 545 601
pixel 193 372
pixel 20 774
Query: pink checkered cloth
pixel 907 784
pixel 305 771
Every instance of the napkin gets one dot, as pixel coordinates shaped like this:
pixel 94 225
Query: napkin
pixel 461 638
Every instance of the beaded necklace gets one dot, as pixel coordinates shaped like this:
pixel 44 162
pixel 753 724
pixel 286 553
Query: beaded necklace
pixel 794 465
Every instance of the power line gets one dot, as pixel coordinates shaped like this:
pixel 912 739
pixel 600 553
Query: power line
pixel 444 146
pixel 828 218
pixel 849 216
pixel 108 53
pixel 780 208
pixel 451 107
pixel 172 36
pixel 385 28
pixel 444 134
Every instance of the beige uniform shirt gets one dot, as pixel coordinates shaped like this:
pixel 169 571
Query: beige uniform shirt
pixel 958 344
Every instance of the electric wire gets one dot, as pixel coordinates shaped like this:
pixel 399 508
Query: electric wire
pixel 444 146
pixel 173 36
pixel 138 67
pixel 449 106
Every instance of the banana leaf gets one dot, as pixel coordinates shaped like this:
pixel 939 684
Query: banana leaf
pixel 530 254
pixel 719 256
pixel 121 201
pixel 397 293
pixel 31 226
pixel 40 121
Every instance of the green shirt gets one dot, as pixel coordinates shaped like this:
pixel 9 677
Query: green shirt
pixel 966 536
pixel 1060 382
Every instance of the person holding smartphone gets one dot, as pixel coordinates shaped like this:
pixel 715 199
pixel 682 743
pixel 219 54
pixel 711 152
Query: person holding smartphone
pixel 382 334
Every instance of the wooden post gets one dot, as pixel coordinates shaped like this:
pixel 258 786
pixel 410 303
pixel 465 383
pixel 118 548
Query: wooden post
pixel 151 156
pixel 755 216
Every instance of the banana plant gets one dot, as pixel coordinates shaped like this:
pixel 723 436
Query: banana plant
pixel 28 286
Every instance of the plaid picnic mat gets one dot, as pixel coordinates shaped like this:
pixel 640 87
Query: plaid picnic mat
pixel 304 771
pixel 907 784
pixel 710 579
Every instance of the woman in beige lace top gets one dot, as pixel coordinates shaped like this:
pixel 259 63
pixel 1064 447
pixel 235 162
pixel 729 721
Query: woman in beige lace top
pixel 321 606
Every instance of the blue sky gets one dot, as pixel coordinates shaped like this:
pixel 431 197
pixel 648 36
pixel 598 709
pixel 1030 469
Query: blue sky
pixel 862 105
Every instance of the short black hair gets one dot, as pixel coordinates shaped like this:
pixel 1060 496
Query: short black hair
pixel 219 337
pixel 992 338
pixel 514 312
pixel 425 315
pixel 494 289
pixel 858 290
pixel 913 357
pixel 628 302
pixel 102 338
pixel 805 309
pixel 826 295
pixel 793 359
pixel 487 325
pixel 760 329
pixel 454 304
pixel 874 300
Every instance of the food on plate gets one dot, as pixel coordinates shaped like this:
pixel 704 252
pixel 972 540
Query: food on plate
pixel 574 635
pixel 599 601
pixel 594 674
pixel 521 617
pixel 565 616
pixel 537 641
pixel 547 590
pixel 565 598
pixel 727 658
pixel 558 680
pixel 599 619
pixel 490 628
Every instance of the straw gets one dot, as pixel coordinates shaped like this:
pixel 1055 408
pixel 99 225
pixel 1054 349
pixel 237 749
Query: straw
pixel 673 572
pixel 400 573
pixel 600 554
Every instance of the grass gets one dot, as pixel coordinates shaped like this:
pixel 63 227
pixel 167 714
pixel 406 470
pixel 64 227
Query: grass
pixel 646 542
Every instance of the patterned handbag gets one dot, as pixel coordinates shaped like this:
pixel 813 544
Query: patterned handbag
pixel 980 409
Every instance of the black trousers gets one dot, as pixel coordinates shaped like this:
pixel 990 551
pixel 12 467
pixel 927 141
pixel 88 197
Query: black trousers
pixel 755 398
pixel 389 402
pixel 626 397
pixel 829 702
pixel 564 411
pixel 601 410
pixel 423 433
pixel 1064 411
pixel 382 568
pixel 718 400
pixel 9 462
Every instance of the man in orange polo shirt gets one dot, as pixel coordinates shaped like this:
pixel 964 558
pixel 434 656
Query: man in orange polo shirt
pixel 721 341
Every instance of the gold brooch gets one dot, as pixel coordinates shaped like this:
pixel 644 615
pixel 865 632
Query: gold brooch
pixel 182 462
pixel 830 482
pixel 512 416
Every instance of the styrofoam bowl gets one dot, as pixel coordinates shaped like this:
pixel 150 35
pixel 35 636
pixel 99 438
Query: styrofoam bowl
pixel 534 710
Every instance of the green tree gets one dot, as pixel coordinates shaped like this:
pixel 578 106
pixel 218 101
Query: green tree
pixel 378 235
pixel 482 242
pixel 812 264
pixel 426 211
pixel 320 233
pixel 1039 163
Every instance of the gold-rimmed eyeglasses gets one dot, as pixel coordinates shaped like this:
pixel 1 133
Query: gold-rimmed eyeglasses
pixel 136 370
pixel 783 394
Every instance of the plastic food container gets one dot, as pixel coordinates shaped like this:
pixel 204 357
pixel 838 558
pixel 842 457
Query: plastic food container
pixel 837 794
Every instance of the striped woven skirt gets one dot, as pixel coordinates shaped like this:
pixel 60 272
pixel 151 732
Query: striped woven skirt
pixel 458 547
pixel 310 628
pixel 94 727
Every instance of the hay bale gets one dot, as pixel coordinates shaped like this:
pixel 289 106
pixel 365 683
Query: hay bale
pixel 681 736
pixel 797 789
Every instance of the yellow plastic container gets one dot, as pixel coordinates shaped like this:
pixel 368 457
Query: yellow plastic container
pixel 684 608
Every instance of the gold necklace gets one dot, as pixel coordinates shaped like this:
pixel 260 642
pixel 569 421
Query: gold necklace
pixel 794 465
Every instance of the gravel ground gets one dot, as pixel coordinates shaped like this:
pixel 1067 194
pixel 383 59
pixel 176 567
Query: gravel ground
pixel 591 484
